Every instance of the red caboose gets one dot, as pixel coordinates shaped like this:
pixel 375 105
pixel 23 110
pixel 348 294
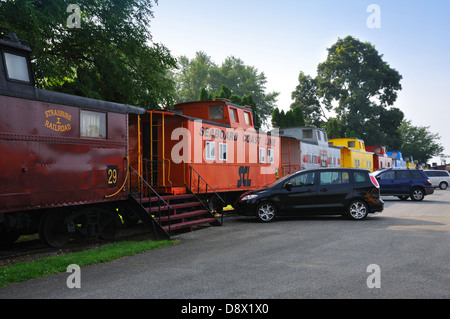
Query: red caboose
pixel 380 157
pixel 62 157
pixel 207 145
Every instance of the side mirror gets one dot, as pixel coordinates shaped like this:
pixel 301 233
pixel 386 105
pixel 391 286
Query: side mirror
pixel 288 186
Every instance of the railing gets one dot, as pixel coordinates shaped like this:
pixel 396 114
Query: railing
pixel 157 172
pixel 287 169
pixel 202 188
pixel 144 188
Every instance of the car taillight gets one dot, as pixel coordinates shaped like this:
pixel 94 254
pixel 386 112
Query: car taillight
pixel 374 181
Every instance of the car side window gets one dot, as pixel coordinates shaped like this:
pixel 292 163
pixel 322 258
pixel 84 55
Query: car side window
pixel 416 174
pixel 334 177
pixel 360 177
pixel 306 179
pixel 403 175
pixel 387 175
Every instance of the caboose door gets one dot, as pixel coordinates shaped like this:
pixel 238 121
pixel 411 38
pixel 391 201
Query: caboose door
pixel 150 153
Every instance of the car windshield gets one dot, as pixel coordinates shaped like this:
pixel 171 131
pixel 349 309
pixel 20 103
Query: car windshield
pixel 281 180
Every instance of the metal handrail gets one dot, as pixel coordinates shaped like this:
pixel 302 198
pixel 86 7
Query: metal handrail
pixel 206 189
pixel 150 188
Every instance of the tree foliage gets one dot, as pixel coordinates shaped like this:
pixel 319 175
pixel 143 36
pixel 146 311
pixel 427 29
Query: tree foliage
pixel 306 97
pixel 291 118
pixel 359 87
pixel 108 57
pixel 357 84
pixel 241 80
pixel 419 142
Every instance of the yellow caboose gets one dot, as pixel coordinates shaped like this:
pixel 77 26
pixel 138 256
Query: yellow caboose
pixel 353 153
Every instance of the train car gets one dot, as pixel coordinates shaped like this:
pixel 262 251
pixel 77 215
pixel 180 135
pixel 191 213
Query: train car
pixel 397 159
pixel 290 161
pixel 315 151
pixel 410 161
pixel 63 158
pixel 208 146
pixel 353 153
pixel 380 157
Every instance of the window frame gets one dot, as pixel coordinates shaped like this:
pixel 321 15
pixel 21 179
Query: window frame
pixel 262 159
pixel 27 62
pixel 104 115
pixel 222 147
pixel 270 155
pixel 208 150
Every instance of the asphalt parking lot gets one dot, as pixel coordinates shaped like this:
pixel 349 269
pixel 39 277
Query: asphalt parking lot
pixel 403 252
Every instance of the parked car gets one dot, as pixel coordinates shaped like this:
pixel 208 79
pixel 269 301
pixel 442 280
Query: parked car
pixel 404 183
pixel 438 178
pixel 326 191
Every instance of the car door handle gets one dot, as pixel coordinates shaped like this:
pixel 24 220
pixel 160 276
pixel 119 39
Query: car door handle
pixel 324 190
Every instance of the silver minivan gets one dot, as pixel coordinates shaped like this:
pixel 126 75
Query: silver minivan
pixel 438 178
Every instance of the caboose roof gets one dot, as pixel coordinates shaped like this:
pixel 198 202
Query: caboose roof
pixel 27 90
pixel 218 111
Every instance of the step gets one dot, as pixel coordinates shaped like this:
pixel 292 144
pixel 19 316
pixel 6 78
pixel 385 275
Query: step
pixel 174 206
pixel 145 200
pixel 189 223
pixel 181 215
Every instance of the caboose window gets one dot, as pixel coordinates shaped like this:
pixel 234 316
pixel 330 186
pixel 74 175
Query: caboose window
pixel 247 118
pixel 351 144
pixel 216 112
pixel 16 67
pixel 222 151
pixel 269 155
pixel 233 114
pixel 92 124
pixel 262 155
pixel 210 150
pixel 307 133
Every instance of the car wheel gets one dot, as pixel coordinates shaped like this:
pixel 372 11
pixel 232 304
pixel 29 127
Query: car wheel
pixel 266 212
pixel 357 210
pixel 403 197
pixel 417 194
pixel 443 185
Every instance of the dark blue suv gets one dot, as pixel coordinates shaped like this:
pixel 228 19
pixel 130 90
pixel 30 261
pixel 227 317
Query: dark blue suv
pixel 404 183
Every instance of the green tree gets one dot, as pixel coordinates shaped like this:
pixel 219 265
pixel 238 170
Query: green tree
pixel 291 118
pixel 419 142
pixel 306 96
pixel 276 117
pixel 359 86
pixel 204 95
pixel 239 78
pixel 333 128
pixel 106 58
pixel 191 76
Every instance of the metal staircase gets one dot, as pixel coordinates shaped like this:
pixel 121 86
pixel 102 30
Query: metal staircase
pixel 166 214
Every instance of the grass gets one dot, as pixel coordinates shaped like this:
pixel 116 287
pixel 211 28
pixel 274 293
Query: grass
pixel 51 265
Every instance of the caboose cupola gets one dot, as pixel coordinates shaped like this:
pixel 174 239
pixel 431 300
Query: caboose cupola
pixel 15 67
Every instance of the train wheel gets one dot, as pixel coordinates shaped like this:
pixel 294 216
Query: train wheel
pixel 56 228
pixel 108 224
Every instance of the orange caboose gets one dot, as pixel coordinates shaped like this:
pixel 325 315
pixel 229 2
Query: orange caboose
pixel 205 146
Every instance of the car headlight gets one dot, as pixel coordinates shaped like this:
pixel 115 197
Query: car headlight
pixel 249 197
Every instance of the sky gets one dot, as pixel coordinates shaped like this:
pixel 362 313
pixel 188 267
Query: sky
pixel 281 38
